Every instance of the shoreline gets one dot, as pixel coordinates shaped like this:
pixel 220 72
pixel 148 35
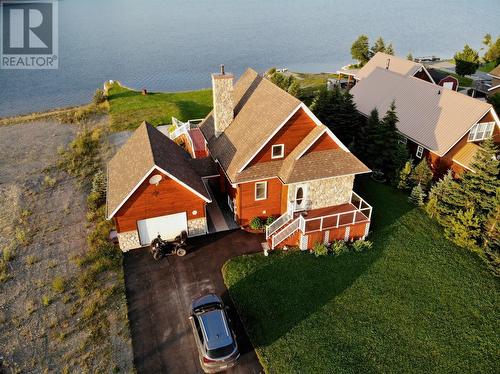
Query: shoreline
pixel 44 114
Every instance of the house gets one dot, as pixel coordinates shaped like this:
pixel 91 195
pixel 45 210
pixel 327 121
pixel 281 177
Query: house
pixel 276 159
pixel 155 187
pixel 383 61
pixel 441 125
pixel 443 79
pixel 495 81
pixel 268 156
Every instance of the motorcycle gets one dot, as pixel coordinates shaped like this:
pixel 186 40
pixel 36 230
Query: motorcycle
pixel 161 247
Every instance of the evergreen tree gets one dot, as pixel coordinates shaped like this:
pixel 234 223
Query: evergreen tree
pixel 409 57
pixel 322 106
pixel 464 229
pixel 491 232
pixel 369 141
pixel 444 198
pixel 495 101
pixel 466 61
pixel 480 187
pixel 404 175
pixel 337 110
pixel 392 153
pixel 360 50
pixel 390 49
pixel 378 46
pixel 422 174
pixel 294 89
pixel 417 195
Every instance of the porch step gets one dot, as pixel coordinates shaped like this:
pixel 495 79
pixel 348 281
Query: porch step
pixel 265 246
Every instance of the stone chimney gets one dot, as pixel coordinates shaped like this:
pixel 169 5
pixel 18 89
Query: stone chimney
pixel 222 85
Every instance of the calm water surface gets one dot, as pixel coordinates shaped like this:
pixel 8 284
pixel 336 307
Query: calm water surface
pixel 174 45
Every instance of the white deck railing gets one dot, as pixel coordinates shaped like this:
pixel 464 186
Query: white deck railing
pixel 278 223
pixel 297 224
pixel 362 212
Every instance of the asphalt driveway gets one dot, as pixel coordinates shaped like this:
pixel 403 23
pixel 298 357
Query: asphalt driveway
pixel 159 295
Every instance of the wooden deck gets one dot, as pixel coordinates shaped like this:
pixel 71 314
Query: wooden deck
pixel 332 217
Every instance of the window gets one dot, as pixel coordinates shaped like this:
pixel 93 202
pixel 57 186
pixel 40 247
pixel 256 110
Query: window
pixel 278 151
pixel 420 151
pixel 260 190
pixel 481 131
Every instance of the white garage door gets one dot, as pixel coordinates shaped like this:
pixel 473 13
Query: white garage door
pixel 167 226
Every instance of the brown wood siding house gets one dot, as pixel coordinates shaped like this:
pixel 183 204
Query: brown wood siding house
pixel 274 155
pixel 440 125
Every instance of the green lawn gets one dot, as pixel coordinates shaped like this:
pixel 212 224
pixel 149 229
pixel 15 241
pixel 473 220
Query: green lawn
pixel 488 67
pixel 415 303
pixel 129 108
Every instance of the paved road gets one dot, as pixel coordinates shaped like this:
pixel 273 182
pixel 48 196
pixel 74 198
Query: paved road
pixel 159 295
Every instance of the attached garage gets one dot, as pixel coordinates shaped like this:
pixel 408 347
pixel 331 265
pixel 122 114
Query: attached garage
pixel 168 227
pixel 155 187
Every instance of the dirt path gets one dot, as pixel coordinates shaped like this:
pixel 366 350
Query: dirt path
pixel 42 229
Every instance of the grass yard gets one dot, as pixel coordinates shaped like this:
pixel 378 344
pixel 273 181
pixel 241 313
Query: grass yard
pixel 488 67
pixel 128 108
pixel 414 303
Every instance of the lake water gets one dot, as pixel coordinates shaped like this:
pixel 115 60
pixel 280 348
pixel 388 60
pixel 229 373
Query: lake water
pixel 173 45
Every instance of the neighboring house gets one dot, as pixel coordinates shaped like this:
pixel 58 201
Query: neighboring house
pixel 273 158
pixel 395 64
pixel 495 81
pixel 444 79
pixel 442 125
pixel 384 61
pixel 155 187
pixel 277 159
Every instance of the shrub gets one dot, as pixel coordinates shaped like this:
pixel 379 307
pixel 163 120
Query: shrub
pixel 320 249
pixel 417 195
pixel 99 97
pixel 256 223
pixel 31 260
pixel 8 254
pixel 49 181
pixel 99 184
pixel 270 220
pixel 81 158
pixel 4 274
pixel 21 236
pixel 361 245
pixel 58 284
pixel 338 247
pixel 404 175
pixel 46 300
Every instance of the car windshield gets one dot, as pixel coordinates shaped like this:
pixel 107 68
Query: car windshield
pixel 206 307
pixel 221 352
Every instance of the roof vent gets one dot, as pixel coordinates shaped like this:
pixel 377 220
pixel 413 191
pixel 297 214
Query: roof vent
pixel 388 63
pixel 222 70
pixel 439 92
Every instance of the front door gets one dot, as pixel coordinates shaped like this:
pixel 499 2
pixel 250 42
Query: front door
pixel 300 202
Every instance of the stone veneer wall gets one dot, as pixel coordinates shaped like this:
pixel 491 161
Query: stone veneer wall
pixel 197 226
pixel 326 192
pixel 129 240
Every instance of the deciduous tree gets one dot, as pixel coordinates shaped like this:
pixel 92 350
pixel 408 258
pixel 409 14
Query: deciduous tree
pixel 466 61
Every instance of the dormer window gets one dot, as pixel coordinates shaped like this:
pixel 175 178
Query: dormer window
pixel 481 131
pixel 278 151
